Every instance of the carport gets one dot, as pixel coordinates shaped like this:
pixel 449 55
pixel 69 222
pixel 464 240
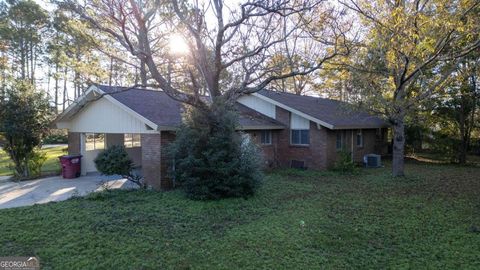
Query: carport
pixel 91 144
pixel 98 120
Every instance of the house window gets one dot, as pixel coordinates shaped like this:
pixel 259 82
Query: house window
pixel 300 137
pixel 132 140
pixel 300 130
pixel 359 138
pixel 339 142
pixel 266 137
pixel 94 141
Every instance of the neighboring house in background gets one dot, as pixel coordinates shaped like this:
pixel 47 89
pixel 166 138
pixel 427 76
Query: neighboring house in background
pixel 292 130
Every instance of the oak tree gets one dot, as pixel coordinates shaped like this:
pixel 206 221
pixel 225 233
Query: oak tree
pixel 409 51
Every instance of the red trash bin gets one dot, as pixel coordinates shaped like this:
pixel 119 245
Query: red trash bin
pixel 71 166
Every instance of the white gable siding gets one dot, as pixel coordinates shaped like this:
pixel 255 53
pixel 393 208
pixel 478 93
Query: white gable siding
pixel 102 116
pixel 298 122
pixel 259 105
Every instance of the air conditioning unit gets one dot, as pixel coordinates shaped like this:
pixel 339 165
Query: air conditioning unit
pixel 372 161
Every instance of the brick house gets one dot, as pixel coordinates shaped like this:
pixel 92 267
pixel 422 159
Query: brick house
pixel 291 130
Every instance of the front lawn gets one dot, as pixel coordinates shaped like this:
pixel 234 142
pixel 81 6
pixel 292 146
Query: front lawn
pixel 298 220
pixel 51 165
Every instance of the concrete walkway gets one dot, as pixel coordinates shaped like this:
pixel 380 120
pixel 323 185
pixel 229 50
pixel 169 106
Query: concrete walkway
pixel 16 194
pixel 46 146
pixel 5 178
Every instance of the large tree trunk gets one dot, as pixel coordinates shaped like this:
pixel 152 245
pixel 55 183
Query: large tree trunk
pixel 110 76
pixel 398 162
pixel 143 72
pixel 76 85
pixel 77 74
pixel 32 63
pixel 22 59
pixel 398 117
pixel 56 87
pixel 462 151
pixel 27 61
pixel 3 90
pixel 4 80
pixel 65 98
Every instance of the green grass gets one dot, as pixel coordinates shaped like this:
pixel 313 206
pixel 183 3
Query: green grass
pixel 51 164
pixel 298 220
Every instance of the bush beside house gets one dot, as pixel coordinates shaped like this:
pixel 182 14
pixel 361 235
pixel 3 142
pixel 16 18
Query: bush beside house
pixel 212 160
pixel 115 161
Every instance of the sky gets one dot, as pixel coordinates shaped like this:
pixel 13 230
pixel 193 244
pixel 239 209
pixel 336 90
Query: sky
pixel 45 4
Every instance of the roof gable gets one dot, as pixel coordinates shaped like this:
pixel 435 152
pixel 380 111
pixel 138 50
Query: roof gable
pixel 154 105
pixel 92 96
pixel 105 116
pixel 329 113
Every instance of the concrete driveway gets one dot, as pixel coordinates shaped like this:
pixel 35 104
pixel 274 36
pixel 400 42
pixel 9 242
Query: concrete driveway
pixel 15 194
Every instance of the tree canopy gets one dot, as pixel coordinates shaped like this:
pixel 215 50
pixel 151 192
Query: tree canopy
pixel 410 50
pixel 25 117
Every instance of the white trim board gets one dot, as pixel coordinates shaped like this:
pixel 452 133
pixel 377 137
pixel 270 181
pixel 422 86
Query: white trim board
pixel 78 102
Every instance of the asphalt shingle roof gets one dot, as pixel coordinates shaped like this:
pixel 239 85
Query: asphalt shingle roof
pixel 164 111
pixel 340 115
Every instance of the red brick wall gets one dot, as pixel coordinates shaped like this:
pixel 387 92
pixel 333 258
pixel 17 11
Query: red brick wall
pixel 155 162
pixel 73 143
pixel 314 155
pixel 331 151
pixel 381 142
pixel 166 167
pixel 322 152
pixel 151 159
pixel 134 153
pixel 371 145
pixel 114 139
pixel 269 151
pixel 368 144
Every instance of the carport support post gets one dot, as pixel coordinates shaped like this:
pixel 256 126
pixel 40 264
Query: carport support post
pixel 152 159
